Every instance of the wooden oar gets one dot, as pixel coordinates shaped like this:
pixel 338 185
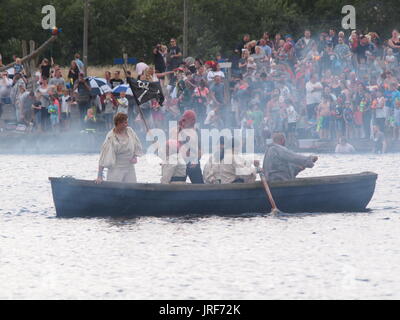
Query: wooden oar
pixel 275 210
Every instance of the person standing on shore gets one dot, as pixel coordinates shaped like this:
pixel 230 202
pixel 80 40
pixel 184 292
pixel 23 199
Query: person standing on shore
pixel 5 90
pixel 73 74
pixel 110 104
pixel 79 62
pixel 344 147
pixel 379 140
pixel 84 95
pixel 119 153
pixel 116 81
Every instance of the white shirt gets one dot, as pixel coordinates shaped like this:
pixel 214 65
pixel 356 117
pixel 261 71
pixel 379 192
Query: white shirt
pixel 65 105
pixel 232 167
pixel 5 87
pixel 123 105
pixel 174 166
pixel 380 110
pixel 209 118
pixel 292 114
pixel 11 71
pixel 347 148
pixel 212 74
pixel 316 96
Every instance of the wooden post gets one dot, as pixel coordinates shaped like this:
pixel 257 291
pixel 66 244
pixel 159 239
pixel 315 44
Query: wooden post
pixel 24 48
pixel 85 35
pixel 32 83
pixel 227 81
pixel 24 54
pixel 185 27
pixel 33 62
pixel 29 65
pixel 32 55
pixel 125 56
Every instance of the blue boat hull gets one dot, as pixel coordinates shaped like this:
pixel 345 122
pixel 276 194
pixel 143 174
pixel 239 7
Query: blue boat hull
pixel 79 198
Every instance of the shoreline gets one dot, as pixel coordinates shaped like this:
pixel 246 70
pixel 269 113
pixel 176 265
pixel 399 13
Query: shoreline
pixel 75 142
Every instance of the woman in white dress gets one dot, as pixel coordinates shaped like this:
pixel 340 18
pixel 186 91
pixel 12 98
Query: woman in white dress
pixel 119 153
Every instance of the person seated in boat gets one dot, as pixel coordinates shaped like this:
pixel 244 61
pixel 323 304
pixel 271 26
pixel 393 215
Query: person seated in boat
pixel 173 169
pixel 226 166
pixel 281 164
pixel 119 152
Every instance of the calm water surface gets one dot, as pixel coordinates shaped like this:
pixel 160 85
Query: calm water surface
pixel 330 256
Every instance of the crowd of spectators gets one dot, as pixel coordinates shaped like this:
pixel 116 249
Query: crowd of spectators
pixel 328 87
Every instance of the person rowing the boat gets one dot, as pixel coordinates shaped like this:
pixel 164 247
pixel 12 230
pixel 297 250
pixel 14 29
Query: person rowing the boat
pixel 281 164
pixel 173 169
pixel 226 166
pixel 119 152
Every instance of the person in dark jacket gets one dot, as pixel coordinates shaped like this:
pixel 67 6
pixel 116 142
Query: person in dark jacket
pixel 159 62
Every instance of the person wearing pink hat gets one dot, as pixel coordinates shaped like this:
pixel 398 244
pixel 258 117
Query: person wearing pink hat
pixel 190 147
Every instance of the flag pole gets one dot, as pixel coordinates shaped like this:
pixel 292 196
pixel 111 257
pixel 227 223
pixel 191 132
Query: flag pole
pixel 85 36
pixel 137 101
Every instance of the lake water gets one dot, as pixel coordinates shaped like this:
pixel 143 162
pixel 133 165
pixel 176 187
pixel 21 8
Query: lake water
pixel 329 256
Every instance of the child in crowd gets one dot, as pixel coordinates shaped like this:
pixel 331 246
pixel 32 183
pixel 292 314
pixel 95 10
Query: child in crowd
pixel 37 112
pixel 18 67
pixel 338 116
pixel 348 119
pixel 302 125
pixel 90 119
pixel 358 119
pixel 324 112
pixel 390 60
pixel 54 110
pixel 251 68
pixel 397 118
pixel 65 109
pixel 122 104
pixel 292 117
pixel 380 114
pixel 213 119
pixel 109 110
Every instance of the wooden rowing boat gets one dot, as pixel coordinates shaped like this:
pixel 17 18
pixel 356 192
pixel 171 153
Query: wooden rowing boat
pixel 80 198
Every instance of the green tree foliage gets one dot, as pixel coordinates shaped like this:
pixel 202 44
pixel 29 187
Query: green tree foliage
pixel 135 26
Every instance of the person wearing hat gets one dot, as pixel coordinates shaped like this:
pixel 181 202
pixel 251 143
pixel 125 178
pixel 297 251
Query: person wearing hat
pixel 226 166
pixel 190 147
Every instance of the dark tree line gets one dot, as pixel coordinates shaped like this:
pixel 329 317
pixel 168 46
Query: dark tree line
pixel 135 26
